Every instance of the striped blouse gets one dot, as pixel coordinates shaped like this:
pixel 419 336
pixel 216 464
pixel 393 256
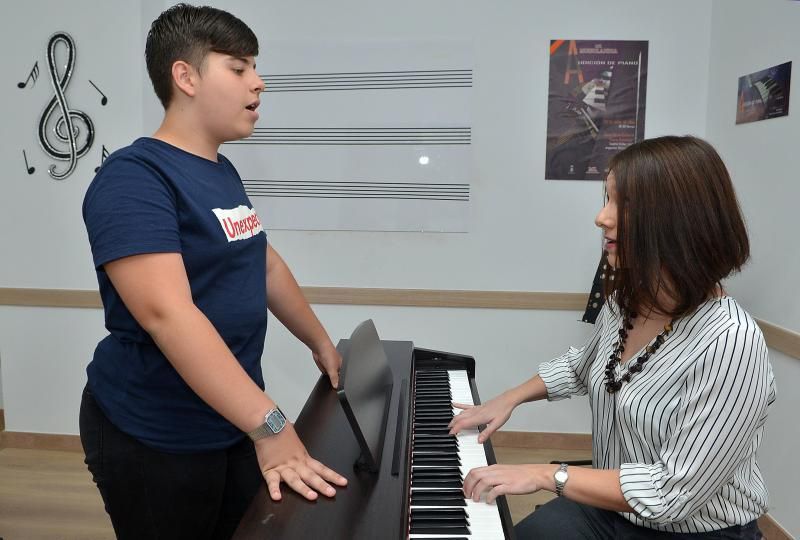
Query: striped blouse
pixel 685 430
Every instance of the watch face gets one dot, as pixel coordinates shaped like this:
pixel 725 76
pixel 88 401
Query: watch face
pixel 561 476
pixel 276 421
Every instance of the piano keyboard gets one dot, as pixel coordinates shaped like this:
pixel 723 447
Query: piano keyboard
pixel 439 463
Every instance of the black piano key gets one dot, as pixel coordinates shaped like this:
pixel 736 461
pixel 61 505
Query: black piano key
pixel 445 412
pixel 439 521
pixel 421 436
pixel 419 496
pixel 421 430
pixel 435 461
pixel 436 483
pixel 434 441
pixel 437 537
pixel 431 420
pixel 439 530
pixel 439 514
pixel 432 424
pixel 435 471
pixel 428 494
pixel 436 475
pixel 443 501
pixel 434 448
pixel 423 451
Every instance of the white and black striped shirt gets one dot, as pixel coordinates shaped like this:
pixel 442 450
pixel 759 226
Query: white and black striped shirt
pixel 685 430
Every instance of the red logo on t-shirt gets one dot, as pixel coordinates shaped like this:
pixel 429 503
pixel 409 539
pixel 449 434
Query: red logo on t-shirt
pixel 238 223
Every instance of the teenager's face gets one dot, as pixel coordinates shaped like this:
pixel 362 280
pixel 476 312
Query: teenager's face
pixel 228 95
pixel 607 220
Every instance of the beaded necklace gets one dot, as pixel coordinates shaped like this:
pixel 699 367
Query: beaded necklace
pixel 613 385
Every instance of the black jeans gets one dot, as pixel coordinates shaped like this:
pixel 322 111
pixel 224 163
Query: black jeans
pixel 563 519
pixel 156 495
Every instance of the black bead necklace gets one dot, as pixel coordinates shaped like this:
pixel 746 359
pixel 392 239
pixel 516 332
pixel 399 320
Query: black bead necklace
pixel 613 385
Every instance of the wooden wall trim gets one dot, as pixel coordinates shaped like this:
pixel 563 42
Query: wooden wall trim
pixel 542 440
pixel 60 298
pixel 341 295
pixel 781 339
pixel 40 441
pixel 772 530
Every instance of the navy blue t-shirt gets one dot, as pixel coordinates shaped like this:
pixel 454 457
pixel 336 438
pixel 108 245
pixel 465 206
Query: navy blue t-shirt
pixel 152 197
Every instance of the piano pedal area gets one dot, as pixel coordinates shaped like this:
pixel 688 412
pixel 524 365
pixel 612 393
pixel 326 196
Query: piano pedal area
pixel 440 461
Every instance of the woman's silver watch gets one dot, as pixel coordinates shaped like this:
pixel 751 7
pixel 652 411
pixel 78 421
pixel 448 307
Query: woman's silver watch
pixel 561 476
pixel 274 422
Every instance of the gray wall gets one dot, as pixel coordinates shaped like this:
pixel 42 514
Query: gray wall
pixel 763 160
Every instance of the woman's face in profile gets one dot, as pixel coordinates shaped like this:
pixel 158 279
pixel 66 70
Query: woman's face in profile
pixel 607 220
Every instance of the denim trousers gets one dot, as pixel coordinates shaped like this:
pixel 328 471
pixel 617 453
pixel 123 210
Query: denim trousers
pixel 563 519
pixel 151 494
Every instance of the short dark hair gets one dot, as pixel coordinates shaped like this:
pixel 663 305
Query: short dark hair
pixel 189 33
pixel 679 226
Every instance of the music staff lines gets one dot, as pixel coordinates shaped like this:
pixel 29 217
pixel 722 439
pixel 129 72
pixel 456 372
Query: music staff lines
pixel 368 80
pixel 359 136
pixel 324 189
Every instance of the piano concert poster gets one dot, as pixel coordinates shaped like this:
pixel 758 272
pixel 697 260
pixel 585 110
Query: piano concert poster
pixel 764 94
pixel 596 105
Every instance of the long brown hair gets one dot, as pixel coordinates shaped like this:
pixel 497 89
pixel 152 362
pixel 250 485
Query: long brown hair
pixel 679 226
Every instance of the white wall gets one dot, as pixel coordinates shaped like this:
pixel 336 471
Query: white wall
pixel 763 160
pixel 527 234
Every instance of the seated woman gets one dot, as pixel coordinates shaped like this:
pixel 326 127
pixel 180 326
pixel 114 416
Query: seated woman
pixel 677 373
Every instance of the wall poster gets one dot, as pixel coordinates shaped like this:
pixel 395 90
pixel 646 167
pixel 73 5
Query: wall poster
pixel 596 105
pixel 764 94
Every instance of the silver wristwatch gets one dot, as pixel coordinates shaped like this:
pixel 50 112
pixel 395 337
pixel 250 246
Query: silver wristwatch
pixel 274 422
pixel 561 476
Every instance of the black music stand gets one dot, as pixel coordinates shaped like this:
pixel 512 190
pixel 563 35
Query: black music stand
pixel 365 392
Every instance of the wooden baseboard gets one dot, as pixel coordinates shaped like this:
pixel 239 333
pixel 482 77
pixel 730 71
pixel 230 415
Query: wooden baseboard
pixel 538 440
pixel 772 530
pixel 40 441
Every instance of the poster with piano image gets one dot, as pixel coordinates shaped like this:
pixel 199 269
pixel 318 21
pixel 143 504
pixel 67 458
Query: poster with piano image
pixel 596 105
pixel 764 94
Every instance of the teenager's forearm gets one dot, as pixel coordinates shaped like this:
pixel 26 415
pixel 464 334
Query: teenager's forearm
pixel 594 487
pixel 287 302
pixel 192 345
pixel 531 390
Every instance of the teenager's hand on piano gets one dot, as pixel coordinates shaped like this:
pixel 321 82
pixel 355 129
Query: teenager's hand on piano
pixel 283 458
pixel 494 413
pixel 329 362
pixel 496 480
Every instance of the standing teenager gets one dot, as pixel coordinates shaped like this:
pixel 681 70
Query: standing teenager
pixel 677 372
pixel 186 276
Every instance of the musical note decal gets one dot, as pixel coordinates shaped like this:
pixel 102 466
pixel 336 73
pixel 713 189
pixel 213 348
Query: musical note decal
pixel 105 99
pixel 103 156
pixel 66 127
pixel 28 168
pixel 32 76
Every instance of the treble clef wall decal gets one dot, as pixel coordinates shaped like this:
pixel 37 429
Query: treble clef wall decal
pixel 65 128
